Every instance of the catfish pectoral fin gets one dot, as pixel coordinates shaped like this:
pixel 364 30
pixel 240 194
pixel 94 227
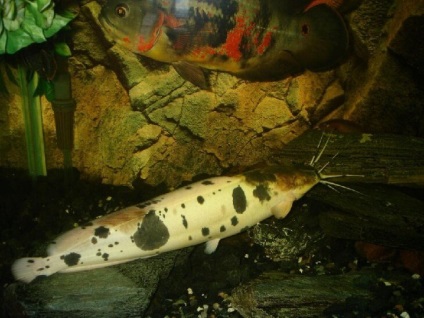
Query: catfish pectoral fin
pixel 192 73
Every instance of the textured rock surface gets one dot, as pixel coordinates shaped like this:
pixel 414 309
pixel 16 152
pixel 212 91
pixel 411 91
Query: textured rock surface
pixel 165 130
pixel 147 124
pixel 383 93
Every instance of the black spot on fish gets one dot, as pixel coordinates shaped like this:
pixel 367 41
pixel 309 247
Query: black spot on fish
pixel 102 232
pixel 110 245
pixel 183 205
pixel 116 243
pixel 152 233
pixel 71 259
pixel 205 231
pixel 239 200
pixel 40 269
pixel 262 193
pixel 98 254
pixel 30 261
pixel 207 182
pixel 188 188
pixel 260 176
pixel 166 209
pixel 234 221
pixel 200 199
pixel 190 238
pixel 93 240
pixel 105 256
pixel 184 221
pixel 222 228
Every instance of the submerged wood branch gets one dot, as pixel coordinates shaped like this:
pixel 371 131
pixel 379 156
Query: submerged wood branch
pixel 380 158
pixel 375 211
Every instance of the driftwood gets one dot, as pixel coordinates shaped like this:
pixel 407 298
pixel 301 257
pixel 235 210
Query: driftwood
pixel 374 212
pixel 378 214
pixel 383 159
pixel 276 294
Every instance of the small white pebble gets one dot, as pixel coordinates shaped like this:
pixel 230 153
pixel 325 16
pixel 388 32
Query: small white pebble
pixel 231 309
pixel 189 291
pixel 199 309
pixel 416 276
pixel 108 198
pixel 246 255
pixel 299 260
pixel 404 315
pixel 387 284
pixel 300 270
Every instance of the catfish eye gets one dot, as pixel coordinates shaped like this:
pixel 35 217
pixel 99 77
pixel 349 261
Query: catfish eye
pixel 121 10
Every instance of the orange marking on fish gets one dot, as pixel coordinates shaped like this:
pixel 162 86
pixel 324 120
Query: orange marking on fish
pixel 145 45
pixel 266 41
pixel 234 38
pixel 172 22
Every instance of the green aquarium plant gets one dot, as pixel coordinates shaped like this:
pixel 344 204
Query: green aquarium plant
pixel 23 23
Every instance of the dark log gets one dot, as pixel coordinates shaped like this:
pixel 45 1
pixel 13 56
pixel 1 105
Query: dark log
pixel 380 158
pixel 276 294
pixel 378 214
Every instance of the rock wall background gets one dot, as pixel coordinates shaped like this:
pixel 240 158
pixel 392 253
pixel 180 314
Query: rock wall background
pixel 137 120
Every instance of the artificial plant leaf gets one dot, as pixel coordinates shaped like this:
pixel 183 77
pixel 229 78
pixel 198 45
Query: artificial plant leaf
pixel 48 90
pixel 31 27
pixel 42 19
pixel 44 5
pixel 39 90
pixel 58 23
pixel 62 49
pixel 17 40
pixel 29 75
pixel 9 10
pixel 3 40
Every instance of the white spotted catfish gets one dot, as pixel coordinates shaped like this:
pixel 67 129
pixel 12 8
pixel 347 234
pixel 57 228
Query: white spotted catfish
pixel 258 40
pixel 203 212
